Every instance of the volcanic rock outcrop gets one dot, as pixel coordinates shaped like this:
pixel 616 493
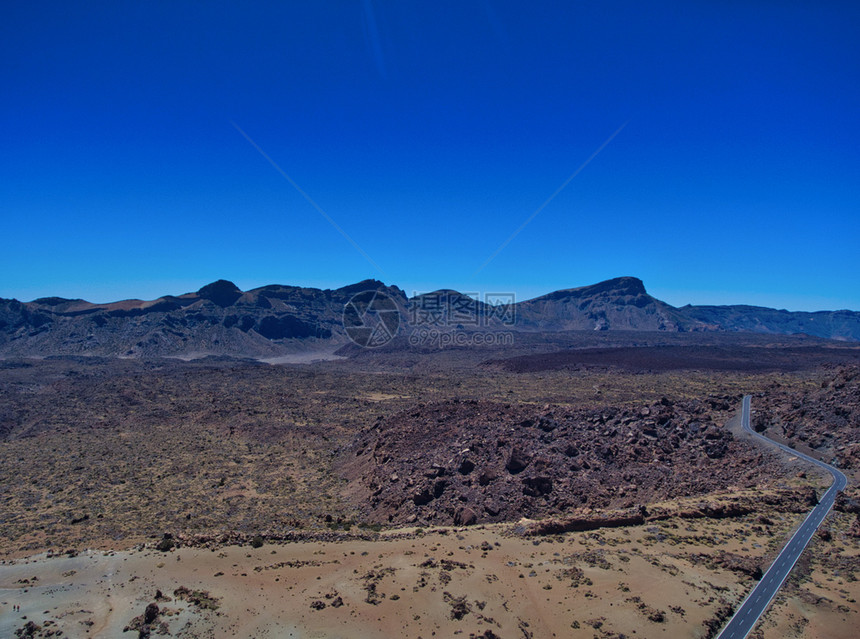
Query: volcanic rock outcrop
pixel 824 419
pixel 459 462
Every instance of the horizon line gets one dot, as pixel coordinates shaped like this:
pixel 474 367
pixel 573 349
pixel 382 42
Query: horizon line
pixel 415 293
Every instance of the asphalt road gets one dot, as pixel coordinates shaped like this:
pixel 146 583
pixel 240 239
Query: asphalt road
pixel 745 618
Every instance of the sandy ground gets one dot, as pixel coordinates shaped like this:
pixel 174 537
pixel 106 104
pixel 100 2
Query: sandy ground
pixel 300 356
pixel 303 358
pixel 644 581
pixel 819 600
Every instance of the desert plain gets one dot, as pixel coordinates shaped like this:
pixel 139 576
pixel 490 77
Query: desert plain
pixel 431 494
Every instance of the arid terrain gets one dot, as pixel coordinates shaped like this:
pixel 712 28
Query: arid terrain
pixel 419 493
pixel 276 321
pixel 372 319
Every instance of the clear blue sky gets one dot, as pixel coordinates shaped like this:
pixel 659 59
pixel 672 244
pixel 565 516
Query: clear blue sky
pixel 429 132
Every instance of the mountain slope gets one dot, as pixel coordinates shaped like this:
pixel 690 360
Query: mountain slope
pixel 274 320
pixel 618 304
pixel 219 319
pixel 841 325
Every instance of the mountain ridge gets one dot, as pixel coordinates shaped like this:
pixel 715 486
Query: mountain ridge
pixel 221 319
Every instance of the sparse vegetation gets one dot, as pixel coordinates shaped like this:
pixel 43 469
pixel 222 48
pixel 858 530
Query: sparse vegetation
pixel 236 454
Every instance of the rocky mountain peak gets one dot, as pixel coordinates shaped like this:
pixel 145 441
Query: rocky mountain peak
pixel 223 293
pixel 627 287
pixel 619 286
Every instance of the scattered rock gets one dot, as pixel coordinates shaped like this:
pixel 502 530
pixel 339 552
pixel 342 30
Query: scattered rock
pixel 459 606
pixel 518 461
pixel 166 544
pixel 454 455
pixel 465 517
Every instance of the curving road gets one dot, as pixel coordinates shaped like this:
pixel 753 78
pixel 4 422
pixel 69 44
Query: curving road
pixel 745 618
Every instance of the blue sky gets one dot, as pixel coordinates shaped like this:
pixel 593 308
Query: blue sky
pixel 429 132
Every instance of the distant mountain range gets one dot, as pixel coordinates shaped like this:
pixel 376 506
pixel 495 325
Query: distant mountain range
pixel 220 319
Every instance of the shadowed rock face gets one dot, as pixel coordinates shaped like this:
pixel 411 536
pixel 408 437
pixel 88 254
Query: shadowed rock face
pixel 287 327
pixel 221 293
pixel 220 319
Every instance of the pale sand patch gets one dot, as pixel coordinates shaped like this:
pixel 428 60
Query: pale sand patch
pixel 303 358
pixel 513 587
pixel 384 397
